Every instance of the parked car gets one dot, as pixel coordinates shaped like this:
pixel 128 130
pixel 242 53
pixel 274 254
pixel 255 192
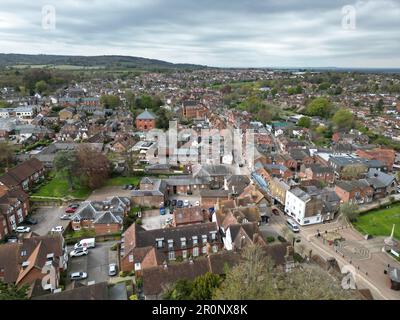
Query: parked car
pixel 71 210
pixel 11 238
pixel 275 211
pixel 65 217
pixel 78 275
pixel 190 192
pixel 197 203
pixel 112 269
pixel 131 187
pixel 162 211
pixel 58 229
pixel 23 229
pixel 179 203
pixel 186 203
pixel 79 252
pixel 74 206
pixel 86 243
pixel 173 203
pixel 30 220
pixel 167 203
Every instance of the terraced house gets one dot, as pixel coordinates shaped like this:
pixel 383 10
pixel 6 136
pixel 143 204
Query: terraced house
pixel 24 175
pixel 141 249
pixel 14 207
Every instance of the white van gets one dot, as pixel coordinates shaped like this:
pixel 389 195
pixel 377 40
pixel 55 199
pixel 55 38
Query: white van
pixel 86 243
pixel 292 225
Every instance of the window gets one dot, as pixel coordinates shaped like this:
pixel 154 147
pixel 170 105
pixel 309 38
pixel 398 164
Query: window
pixel 130 258
pixel 213 235
pixel 204 249
pixel 215 248
pixel 171 255
pixel 194 238
pixel 184 254
pixel 204 237
pixel 160 243
pixel 170 244
pixel 23 253
pixel 195 252
pixel 183 242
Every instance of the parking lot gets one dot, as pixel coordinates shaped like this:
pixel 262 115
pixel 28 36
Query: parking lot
pixel 48 218
pixel 152 219
pixel 95 264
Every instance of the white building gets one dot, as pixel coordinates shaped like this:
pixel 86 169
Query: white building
pixel 311 206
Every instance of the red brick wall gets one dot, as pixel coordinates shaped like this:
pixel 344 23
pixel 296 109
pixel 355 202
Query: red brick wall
pixel 145 124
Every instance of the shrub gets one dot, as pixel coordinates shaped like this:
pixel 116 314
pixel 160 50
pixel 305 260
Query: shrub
pixel 270 239
pixel 139 282
pixel 139 222
pixel 122 274
pixel 281 239
pixel 298 258
pixel 133 297
pixel 132 273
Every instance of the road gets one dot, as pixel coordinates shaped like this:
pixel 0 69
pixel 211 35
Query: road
pixel 364 256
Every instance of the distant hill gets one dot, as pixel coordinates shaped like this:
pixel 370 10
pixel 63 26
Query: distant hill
pixel 90 61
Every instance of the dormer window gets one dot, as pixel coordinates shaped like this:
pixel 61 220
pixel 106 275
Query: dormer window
pixel 25 264
pixel 213 235
pixel 170 244
pixel 204 237
pixel 50 256
pixel 195 240
pixel 23 253
pixel 160 242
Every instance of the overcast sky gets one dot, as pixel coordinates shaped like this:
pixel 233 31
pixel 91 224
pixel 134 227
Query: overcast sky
pixel 227 33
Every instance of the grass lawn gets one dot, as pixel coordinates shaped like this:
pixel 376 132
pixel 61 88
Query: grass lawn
pixel 380 222
pixel 58 187
pixel 120 181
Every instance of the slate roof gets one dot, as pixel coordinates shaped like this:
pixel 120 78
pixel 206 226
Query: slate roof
pixel 146 115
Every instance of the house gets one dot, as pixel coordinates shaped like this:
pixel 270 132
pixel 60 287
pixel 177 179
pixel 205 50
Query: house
pixel 387 156
pixel 34 258
pixel 24 175
pixel 209 198
pixel 354 191
pixel 141 249
pixel 104 217
pixel 14 207
pixel 193 110
pixel 214 175
pixel 81 292
pixel 185 216
pixel 384 184
pixel 66 114
pixel 278 189
pixel 157 279
pixel 317 172
pixel 150 194
pixel 146 121
pixel 310 205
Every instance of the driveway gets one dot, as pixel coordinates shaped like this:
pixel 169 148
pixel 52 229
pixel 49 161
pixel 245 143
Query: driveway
pixel 95 263
pixel 48 218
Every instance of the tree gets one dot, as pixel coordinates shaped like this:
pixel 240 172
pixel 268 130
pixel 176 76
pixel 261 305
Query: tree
pixel 201 288
pixel 12 292
pixel 255 278
pixel 304 122
pixel 6 155
pixel 349 212
pixel 94 167
pixel 344 119
pixel 41 86
pixel 65 163
pixel 353 171
pixel 130 100
pixel 320 107
pixel 110 101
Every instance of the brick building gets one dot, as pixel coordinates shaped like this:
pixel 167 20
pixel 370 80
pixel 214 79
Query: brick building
pixel 146 121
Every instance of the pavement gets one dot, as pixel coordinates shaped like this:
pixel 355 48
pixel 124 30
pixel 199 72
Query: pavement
pixel 152 219
pixel 364 257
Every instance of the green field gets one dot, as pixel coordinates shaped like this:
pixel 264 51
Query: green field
pixel 58 187
pixel 52 66
pixel 120 181
pixel 380 222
